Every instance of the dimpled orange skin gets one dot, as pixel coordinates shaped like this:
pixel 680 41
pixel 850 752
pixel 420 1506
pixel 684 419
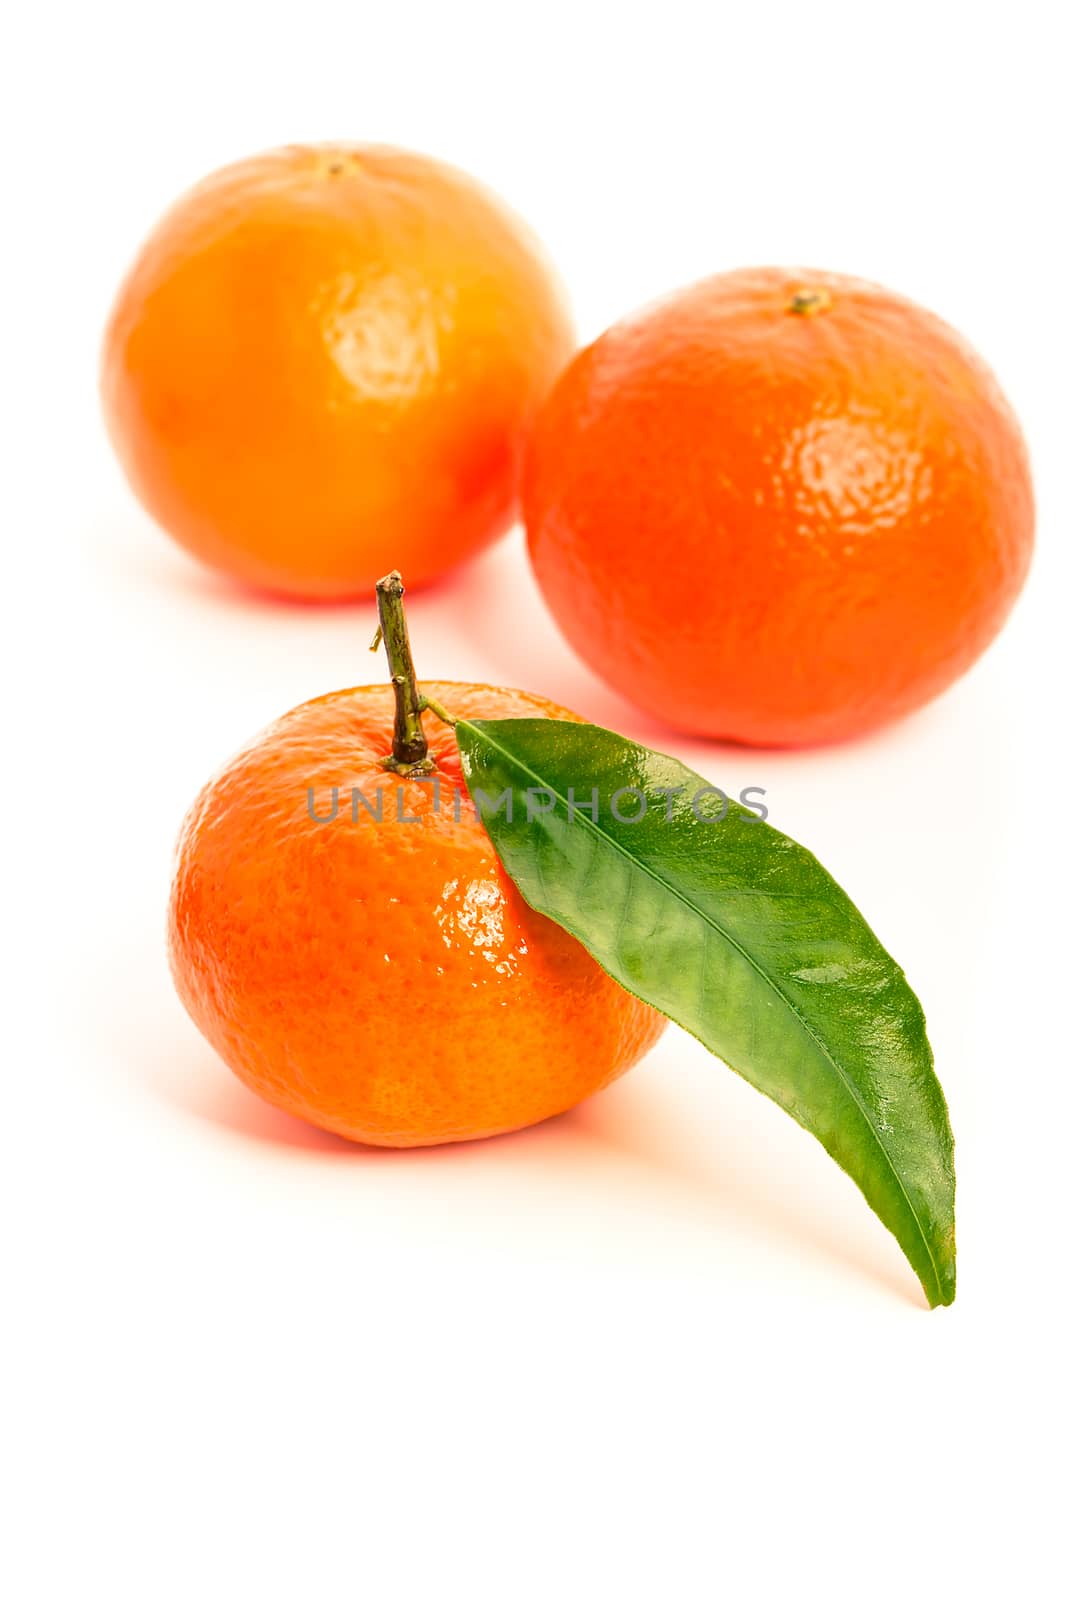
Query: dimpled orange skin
pixel 773 525
pixel 384 980
pixel 325 359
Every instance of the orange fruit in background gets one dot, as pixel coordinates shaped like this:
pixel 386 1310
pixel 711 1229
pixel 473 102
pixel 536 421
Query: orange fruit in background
pixel 384 979
pixel 325 359
pixel 779 507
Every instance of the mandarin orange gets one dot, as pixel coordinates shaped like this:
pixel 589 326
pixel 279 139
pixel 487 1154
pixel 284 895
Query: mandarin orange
pixel 327 357
pixel 377 973
pixel 779 507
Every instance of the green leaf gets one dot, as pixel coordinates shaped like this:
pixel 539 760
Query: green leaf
pixel 737 933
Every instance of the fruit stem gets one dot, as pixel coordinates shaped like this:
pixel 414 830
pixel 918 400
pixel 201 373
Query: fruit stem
pixel 410 751
pixel 809 302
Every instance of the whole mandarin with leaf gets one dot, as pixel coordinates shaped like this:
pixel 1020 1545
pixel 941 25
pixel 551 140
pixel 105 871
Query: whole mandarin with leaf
pixel 342 931
pixel 327 357
pixel 818 484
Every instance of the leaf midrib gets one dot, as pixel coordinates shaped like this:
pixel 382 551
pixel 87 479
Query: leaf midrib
pixel 710 921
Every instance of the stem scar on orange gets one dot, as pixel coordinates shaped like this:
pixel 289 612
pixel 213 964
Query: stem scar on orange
pixel 375 972
pixel 326 357
pixel 832 473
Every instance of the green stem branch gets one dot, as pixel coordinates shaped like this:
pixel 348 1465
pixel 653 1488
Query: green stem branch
pixel 410 751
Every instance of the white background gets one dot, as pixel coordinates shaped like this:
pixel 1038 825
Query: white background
pixel 659 1346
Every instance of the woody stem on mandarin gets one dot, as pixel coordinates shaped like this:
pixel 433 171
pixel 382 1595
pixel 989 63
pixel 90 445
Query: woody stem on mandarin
pixel 410 752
